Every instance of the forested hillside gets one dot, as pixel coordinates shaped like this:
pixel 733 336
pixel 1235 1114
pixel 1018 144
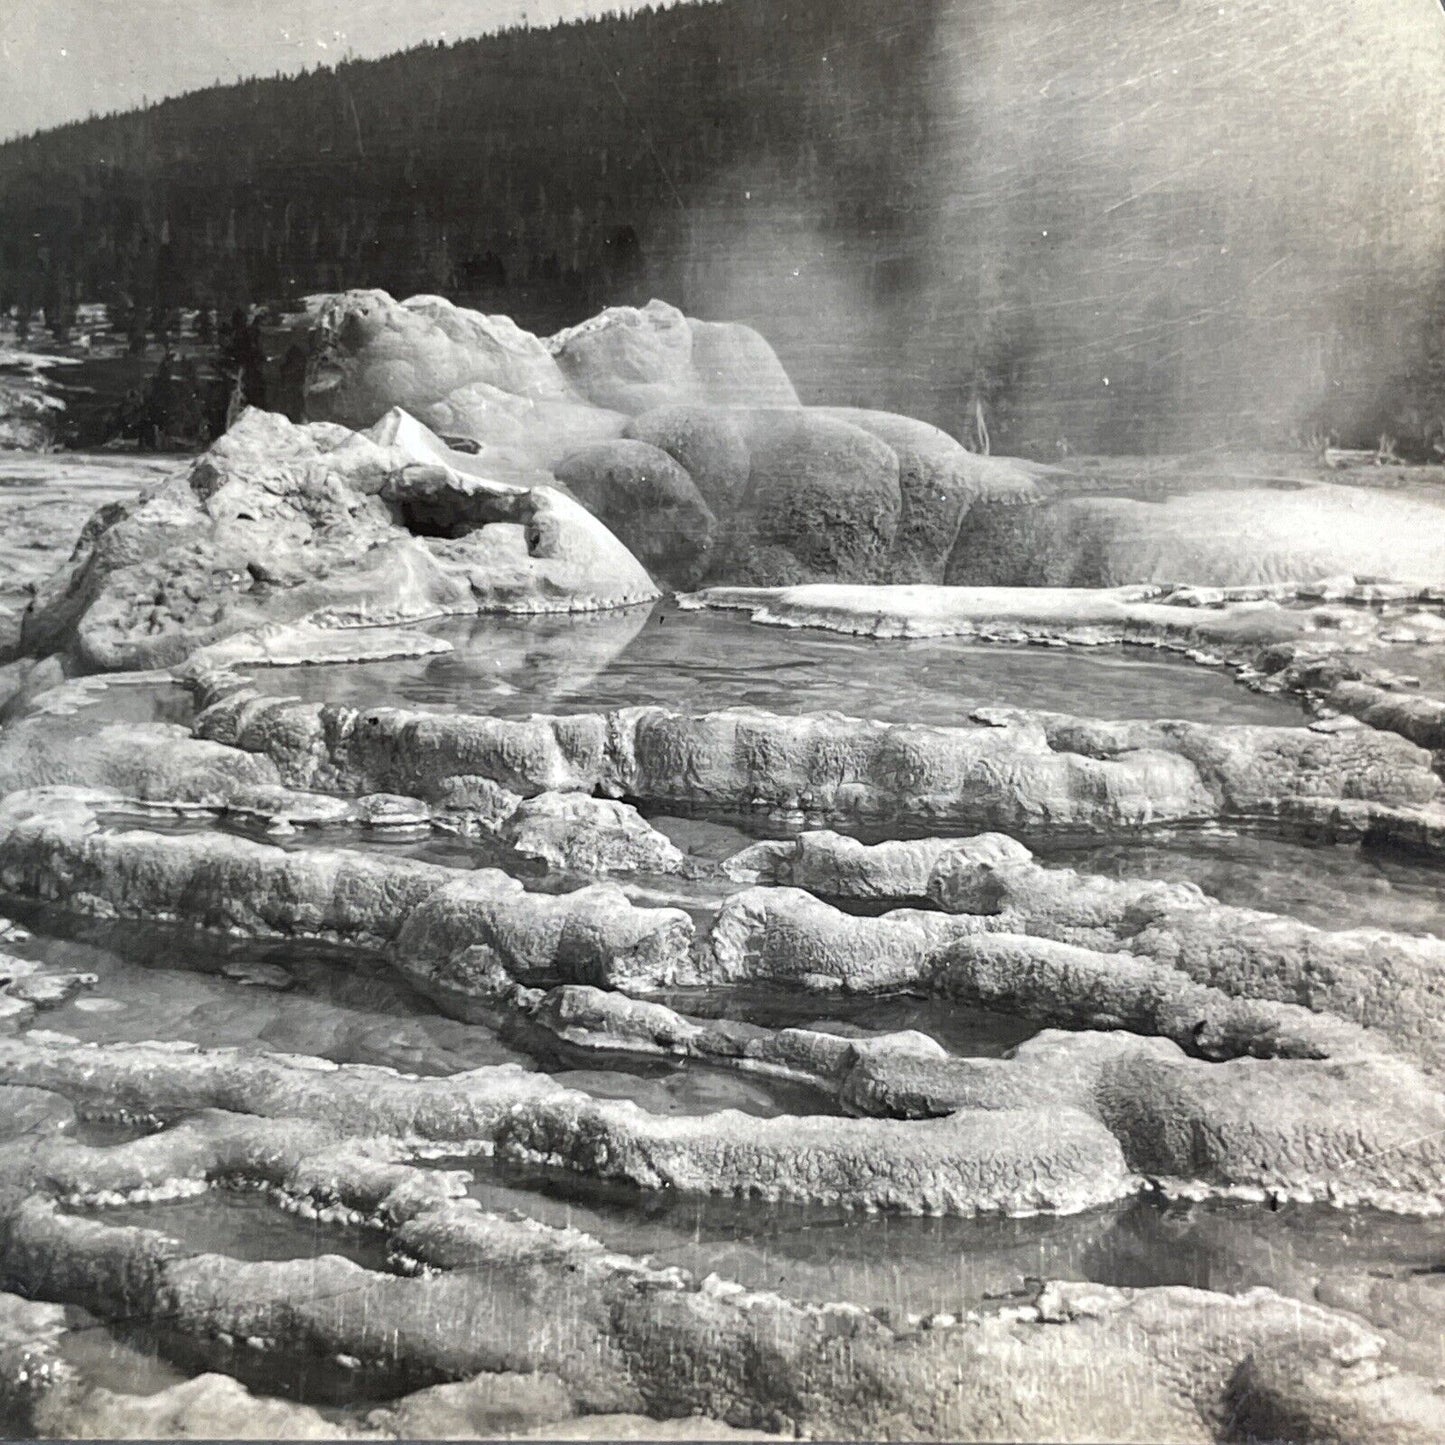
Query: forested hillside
pixel 1096 224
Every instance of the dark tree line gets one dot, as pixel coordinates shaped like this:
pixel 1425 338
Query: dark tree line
pixel 531 159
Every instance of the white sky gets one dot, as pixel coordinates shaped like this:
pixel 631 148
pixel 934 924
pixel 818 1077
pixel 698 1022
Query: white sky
pixel 62 59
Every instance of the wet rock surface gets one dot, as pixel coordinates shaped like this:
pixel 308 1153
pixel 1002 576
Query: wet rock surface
pixel 1007 768
pixel 643 1339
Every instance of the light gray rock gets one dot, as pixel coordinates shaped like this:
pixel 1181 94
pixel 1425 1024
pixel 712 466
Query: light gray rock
pixel 588 835
pixel 284 524
pixel 1011 770
pixel 1389 982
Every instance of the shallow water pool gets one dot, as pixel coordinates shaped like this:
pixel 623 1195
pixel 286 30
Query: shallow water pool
pixel 907 1264
pixel 1327 886
pixel 164 984
pixel 247 1224
pixel 168 984
pixel 703 661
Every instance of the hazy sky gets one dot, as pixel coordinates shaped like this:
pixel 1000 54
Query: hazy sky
pixel 62 59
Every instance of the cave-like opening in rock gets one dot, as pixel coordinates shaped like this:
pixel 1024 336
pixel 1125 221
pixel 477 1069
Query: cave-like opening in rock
pixel 454 514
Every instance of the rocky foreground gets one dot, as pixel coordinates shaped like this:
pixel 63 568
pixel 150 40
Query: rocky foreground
pixel 527 885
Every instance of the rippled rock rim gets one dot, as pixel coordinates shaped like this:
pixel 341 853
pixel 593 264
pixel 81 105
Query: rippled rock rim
pixel 641 1340
pixel 1095 1111
pixel 1008 768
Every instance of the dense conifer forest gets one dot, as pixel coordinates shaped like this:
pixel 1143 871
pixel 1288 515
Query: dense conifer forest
pixel 942 206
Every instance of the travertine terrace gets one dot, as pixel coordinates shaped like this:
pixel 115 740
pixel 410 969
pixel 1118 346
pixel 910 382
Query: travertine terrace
pixel 450 988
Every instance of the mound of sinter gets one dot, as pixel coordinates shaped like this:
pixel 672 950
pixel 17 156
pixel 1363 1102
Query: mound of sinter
pixel 279 523
pixel 685 437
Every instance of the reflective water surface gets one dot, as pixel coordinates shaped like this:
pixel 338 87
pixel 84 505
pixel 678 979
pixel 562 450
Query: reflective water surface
pixel 920 1265
pixel 248 1224
pixel 701 661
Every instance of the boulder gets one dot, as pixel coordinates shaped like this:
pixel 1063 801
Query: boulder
pixel 642 494
pixel 283 523
pixel 584 834
pixel 822 503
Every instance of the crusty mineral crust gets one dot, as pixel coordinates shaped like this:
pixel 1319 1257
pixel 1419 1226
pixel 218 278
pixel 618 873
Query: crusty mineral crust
pixel 280 523
pixel 1346 1119
pixel 1011 769
pixel 435 922
pixel 1390 982
pixel 638 1339
pixel 1187 1046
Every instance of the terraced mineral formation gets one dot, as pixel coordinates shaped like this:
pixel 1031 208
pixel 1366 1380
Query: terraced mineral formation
pixel 1009 769
pixel 455 982
pixel 470 939
pixel 641 1339
pixel 444 924
pixel 990 886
